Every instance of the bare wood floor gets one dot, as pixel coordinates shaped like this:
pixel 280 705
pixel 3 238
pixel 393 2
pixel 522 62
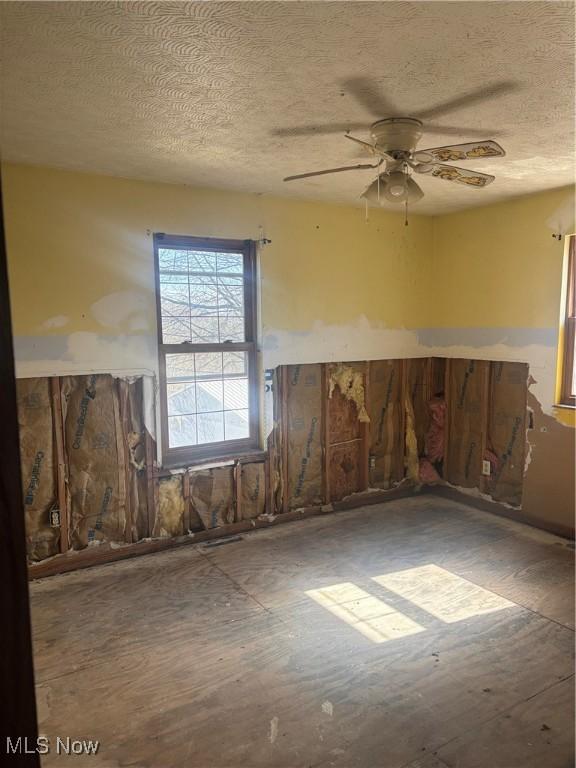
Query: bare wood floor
pixel 419 634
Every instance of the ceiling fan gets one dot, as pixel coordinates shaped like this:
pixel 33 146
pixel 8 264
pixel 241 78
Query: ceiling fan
pixel 394 147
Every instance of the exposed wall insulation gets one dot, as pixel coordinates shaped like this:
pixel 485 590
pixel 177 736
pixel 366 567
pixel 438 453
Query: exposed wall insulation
pixel 507 429
pixel 169 520
pixel 467 400
pixel 96 460
pixel 411 463
pixel 437 376
pixel 319 450
pixel 212 496
pixel 432 463
pixel 350 381
pixel 304 435
pixel 386 412
pixel 131 410
pixel 252 491
pixel 274 444
pixel 347 430
pixel 37 458
pixel 418 390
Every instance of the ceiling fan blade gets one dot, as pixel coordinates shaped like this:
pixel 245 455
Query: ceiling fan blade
pixel 451 130
pixel 327 128
pixel 461 175
pixel 367 93
pixel 472 151
pixel 370 148
pixel 468 99
pixel 331 170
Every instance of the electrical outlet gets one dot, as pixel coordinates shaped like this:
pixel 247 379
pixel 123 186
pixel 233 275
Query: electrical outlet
pixel 55 518
pixel 485 467
pixel 372 462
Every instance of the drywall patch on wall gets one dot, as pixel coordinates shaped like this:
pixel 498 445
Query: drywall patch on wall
pixel 123 310
pixel 85 352
pixel 483 337
pixel 359 340
pixel 58 321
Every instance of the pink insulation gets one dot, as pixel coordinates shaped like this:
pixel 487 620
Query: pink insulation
pixel 434 441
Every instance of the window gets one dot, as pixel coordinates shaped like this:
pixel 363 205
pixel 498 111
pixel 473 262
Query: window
pixel 568 393
pixel 207 346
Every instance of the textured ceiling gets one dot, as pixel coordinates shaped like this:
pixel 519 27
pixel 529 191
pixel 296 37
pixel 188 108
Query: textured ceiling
pixel 207 93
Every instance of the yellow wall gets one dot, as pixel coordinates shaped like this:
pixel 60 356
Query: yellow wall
pixel 74 238
pixel 498 290
pixel 499 265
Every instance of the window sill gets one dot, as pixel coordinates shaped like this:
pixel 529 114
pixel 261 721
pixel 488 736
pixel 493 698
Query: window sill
pixel 212 462
pixel 565 406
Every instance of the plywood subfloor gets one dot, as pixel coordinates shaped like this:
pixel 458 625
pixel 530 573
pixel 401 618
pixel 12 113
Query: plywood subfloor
pixel 417 634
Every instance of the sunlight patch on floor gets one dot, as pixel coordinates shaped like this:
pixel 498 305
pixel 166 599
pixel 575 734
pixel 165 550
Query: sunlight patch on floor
pixel 442 594
pixel 367 614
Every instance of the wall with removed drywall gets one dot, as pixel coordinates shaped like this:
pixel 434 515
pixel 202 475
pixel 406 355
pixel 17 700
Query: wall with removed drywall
pixel 481 284
pixel 497 296
pixel 81 271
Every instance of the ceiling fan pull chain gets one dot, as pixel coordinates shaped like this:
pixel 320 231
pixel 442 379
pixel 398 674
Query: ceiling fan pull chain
pixel 406 213
pixel 366 210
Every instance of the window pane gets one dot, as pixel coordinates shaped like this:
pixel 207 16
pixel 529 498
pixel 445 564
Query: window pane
pixel 204 330
pixel 175 299
pixel 235 364
pixel 172 259
pixel 181 398
pixel 175 330
pixel 209 395
pixel 179 368
pixel 232 329
pixel 201 261
pixel 237 424
pixel 210 427
pixel 230 262
pixel 173 277
pixel 181 431
pixel 230 300
pixel 196 284
pixel 203 299
pixel 235 394
pixel 236 280
pixel 209 365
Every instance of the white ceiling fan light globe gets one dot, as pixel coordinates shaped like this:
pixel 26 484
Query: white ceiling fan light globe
pixel 396 187
pixel 405 189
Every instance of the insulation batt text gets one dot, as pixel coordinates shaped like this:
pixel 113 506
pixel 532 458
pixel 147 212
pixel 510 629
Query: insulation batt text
pixel 43 745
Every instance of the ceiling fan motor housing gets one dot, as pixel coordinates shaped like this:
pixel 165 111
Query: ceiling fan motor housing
pixel 396 134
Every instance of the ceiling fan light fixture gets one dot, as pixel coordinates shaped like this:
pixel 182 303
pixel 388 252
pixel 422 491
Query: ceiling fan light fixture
pixel 374 193
pixel 396 187
pixel 397 190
